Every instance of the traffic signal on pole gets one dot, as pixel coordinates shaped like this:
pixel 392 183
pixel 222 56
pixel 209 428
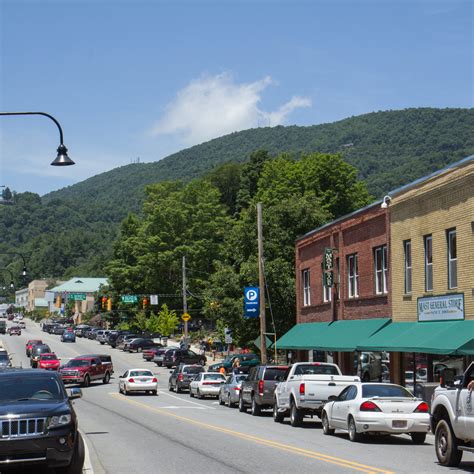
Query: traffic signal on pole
pixel 109 304
pixel 104 302
pixel 145 302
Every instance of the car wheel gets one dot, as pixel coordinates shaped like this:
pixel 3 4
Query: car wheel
pixel 77 461
pixel 139 349
pixel 229 401
pixel 199 395
pixel 154 392
pixel 170 387
pixel 326 429
pixel 446 445
pixel 278 417
pixel 221 402
pixel 87 381
pixel 125 392
pixel 120 388
pixel 352 429
pixel 191 394
pixel 106 379
pixel 296 416
pixel 242 407
pixel 178 389
pixel 256 410
pixel 418 438
pixel 102 343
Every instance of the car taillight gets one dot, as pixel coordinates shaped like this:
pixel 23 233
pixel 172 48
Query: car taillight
pixel 237 388
pixel 260 387
pixel 302 388
pixel 369 406
pixel 131 380
pixel 155 380
pixel 180 377
pixel 422 408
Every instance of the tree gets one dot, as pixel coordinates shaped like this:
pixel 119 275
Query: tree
pixel 7 194
pixel 140 322
pixel 167 321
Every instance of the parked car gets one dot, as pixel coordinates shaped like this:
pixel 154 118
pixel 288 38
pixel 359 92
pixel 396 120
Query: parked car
pixel 80 330
pixel 58 329
pixel 3 327
pixel 122 340
pixel 364 408
pixel 258 389
pixel 369 366
pixel 206 384
pixel 22 325
pixel 14 331
pixel 104 358
pixel 113 337
pixel 68 336
pixel 34 429
pixel 30 343
pixel 182 356
pixel 229 392
pixel 49 361
pixel 149 353
pixel 102 335
pixel 5 360
pixel 139 344
pixel 160 355
pixel 182 375
pixel 138 380
pixel 36 351
pixel 84 370
pixel 246 360
pixel 305 389
pixel 92 334
pixel 452 417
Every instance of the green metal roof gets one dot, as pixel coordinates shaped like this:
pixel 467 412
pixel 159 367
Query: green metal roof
pixel 80 285
pixel 434 337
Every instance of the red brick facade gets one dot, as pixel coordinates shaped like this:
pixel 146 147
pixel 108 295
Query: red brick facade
pixel 358 234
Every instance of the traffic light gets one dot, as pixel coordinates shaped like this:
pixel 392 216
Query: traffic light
pixel 145 302
pixel 109 304
pixel 104 302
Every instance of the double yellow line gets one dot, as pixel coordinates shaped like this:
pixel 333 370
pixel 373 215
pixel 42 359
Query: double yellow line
pixel 265 442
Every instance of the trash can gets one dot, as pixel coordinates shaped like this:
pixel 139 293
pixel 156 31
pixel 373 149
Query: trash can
pixel 164 341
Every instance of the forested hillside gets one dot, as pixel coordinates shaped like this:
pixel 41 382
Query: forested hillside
pixel 71 230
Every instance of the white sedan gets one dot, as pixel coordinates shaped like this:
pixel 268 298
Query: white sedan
pixel 206 384
pixel 138 380
pixel 376 408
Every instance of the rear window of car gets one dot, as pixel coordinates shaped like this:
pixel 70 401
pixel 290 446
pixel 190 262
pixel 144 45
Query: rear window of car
pixel 214 377
pixel 385 390
pixel 315 369
pixel 78 363
pixel 240 378
pixel 274 373
pixel 193 370
pixel 141 373
pixel 48 357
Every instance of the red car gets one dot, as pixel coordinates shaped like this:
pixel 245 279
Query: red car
pixel 49 361
pixel 30 344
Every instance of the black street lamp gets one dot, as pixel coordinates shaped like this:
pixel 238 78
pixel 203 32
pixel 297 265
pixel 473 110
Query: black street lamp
pixel 24 271
pixel 12 283
pixel 62 159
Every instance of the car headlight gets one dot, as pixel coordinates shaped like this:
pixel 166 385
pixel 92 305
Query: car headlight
pixel 59 420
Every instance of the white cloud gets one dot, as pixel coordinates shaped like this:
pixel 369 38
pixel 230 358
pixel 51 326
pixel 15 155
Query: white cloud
pixel 212 106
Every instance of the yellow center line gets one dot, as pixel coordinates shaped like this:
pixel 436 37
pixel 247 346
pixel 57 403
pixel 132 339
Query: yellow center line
pixel 266 442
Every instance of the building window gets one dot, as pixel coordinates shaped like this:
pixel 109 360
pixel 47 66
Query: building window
pixel 352 276
pixel 428 263
pixel 306 287
pixel 381 270
pixel 326 292
pixel 407 252
pixel 452 259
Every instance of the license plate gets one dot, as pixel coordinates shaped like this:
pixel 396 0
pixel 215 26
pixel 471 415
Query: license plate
pixel 399 424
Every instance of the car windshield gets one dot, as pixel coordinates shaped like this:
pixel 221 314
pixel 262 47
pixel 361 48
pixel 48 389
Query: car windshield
pixel 48 357
pixel 40 349
pixel 240 378
pixel 385 390
pixel 214 377
pixel 3 356
pixel 192 370
pixel 33 342
pixel 141 373
pixel 316 369
pixel 78 363
pixel 17 387
pixel 274 373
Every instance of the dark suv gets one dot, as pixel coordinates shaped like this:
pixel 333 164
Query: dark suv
pixel 38 424
pixel 174 357
pixel 182 375
pixel 257 390
pixel 36 351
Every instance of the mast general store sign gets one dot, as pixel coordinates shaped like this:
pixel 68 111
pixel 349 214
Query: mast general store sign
pixel 441 308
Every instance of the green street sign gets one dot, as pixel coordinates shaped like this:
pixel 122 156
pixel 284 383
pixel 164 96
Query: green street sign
pixel 77 296
pixel 328 279
pixel 129 299
pixel 328 261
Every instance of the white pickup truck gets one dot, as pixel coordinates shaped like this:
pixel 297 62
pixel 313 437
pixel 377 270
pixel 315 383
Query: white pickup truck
pixel 305 388
pixel 452 417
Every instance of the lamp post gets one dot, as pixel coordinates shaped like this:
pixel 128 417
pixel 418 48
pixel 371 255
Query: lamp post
pixel 62 158
pixel 12 283
pixel 24 271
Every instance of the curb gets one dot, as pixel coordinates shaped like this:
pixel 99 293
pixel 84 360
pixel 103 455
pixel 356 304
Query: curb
pixel 90 459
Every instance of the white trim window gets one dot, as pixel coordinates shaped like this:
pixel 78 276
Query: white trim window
pixel 428 241
pixel 381 270
pixel 306 278
pixel 407 265
pixel 452 259
pixel 326 292
pixel 352 276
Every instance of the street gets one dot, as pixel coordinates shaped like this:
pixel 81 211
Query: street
pixel 174 433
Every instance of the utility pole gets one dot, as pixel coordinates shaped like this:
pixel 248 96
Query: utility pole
pixel 261 282
pixel 185 302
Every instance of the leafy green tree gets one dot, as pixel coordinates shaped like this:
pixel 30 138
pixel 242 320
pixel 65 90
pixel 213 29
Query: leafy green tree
pixel 140 322
pixel 168 321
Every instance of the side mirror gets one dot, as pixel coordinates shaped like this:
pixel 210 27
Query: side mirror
pixel 74 392
pixel 333 398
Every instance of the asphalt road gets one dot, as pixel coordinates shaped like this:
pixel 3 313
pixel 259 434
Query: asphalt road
pixel 173 433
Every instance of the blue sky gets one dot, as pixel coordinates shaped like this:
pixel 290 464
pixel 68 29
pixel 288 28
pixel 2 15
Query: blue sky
pixel 130 79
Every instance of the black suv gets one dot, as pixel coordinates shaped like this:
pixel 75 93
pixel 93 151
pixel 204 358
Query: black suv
pixel 36 351
pixel 175 357
pixel 38 424
pixel 182 375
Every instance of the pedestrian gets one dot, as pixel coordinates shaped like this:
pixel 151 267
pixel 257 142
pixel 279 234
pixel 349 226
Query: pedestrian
pixel 222 370
pixel 236 363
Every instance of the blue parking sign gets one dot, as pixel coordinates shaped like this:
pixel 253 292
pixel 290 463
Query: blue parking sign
pixel 251 302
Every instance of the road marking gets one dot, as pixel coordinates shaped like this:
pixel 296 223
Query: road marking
pixel 175 407
pixel 265 442
pixel 187 401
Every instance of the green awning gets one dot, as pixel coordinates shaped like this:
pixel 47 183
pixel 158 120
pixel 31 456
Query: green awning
pixel 303 336
pixel 433 337
pixel 345 335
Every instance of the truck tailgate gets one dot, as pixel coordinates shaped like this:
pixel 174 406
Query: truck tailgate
pixel 321 387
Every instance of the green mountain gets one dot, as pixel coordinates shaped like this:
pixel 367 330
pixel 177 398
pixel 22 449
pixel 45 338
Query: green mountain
pixel 71 230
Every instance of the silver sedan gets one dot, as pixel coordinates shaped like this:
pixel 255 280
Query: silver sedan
pixel 206 384
pixel 230 391
pixel 138 380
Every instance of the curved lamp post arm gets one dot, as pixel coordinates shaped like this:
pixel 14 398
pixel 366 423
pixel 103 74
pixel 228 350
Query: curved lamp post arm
pixel 20 255
pixel 12 283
